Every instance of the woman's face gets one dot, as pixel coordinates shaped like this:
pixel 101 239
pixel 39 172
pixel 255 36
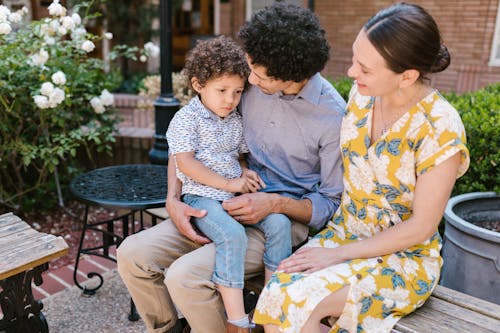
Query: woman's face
pixel 370 70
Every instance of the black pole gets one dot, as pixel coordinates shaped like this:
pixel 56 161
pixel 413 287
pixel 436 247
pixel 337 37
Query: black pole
pixel 311 5
pixel 166 105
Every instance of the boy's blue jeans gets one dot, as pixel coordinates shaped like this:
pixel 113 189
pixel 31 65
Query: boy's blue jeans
pixel 230 240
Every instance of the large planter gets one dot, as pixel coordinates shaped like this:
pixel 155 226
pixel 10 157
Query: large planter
pixel 470 253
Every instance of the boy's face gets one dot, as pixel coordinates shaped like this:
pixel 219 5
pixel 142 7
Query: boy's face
pixel 268 85
pixel 220 95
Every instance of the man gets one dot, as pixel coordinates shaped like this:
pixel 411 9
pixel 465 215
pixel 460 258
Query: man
pixel 291 123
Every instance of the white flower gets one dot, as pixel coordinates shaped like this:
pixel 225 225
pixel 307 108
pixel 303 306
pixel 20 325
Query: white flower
pixel 77 20
pixel 78 33
pixel 62 31
pixel 49 40
pixel 41 101
pixel 4 13
pixel 88 46
pixel 53 27
pixel 97 105
pixel 40 58
pixel 56 97
pixel 143 58
pixel 5 28
pixel 15 17
pixel 56 9
pixel 107 98
pixel 68 23
pixel 47 88
pixel 152 50
pixel 108 35
pixel 59 78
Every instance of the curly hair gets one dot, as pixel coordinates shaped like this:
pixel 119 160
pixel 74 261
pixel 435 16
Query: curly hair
pixel 287 40
pixel 213 58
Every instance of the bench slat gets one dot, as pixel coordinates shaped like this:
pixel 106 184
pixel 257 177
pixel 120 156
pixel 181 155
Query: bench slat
pixel 469 302
pixel 432 318
pixel 33 257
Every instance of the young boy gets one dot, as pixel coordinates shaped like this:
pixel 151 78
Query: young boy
pixel 205 138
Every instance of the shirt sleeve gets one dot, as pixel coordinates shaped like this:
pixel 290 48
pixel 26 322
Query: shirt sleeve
pixel 326 198
pixel 441 138
pixel 181 133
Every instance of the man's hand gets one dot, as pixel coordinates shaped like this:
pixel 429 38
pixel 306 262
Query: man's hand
pixel 181 214
pixel 251 208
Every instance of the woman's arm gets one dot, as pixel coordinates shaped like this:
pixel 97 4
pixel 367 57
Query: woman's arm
pixel 432 192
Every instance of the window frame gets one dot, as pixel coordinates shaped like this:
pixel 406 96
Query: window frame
pixel 495 44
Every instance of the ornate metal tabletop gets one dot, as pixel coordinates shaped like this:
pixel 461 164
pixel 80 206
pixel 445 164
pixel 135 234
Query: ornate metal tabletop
pixel 132 186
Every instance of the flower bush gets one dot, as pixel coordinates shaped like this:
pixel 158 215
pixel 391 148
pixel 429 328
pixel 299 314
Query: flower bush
pixel 150 90
pixel 54 99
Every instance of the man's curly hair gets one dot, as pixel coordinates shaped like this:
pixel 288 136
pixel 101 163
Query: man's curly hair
pixel 213 58
pixel 287 40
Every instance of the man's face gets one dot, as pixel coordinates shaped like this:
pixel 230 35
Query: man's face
pixel 268 85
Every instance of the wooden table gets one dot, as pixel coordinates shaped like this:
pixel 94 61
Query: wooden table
pixel 24 255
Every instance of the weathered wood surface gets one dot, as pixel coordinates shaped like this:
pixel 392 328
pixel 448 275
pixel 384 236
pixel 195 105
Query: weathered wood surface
pixel 446 311
pixel 22 247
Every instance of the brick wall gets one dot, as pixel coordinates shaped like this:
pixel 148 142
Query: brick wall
pixel 467 28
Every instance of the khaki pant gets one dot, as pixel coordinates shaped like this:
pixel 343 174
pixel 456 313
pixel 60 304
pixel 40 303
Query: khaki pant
pixel 160 267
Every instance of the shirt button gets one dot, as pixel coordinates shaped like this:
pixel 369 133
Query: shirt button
pixel 359 276
pixel 272 123
pixel 263 147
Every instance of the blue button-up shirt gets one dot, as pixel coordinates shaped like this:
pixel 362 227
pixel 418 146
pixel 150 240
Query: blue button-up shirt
pixel 294 145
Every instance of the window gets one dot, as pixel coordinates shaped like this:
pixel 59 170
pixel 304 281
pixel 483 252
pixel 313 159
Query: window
pixel 255 5
pixel 495 45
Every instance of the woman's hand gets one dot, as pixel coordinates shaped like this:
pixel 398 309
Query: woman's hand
pixel 310 259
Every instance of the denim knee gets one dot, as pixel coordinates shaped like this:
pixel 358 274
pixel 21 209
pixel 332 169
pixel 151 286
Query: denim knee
pixel 277 229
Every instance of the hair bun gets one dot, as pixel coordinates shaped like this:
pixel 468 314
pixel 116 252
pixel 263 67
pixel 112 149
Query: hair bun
pixel 443 60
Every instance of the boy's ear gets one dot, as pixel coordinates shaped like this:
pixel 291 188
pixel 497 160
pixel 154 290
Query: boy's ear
pixel 196 84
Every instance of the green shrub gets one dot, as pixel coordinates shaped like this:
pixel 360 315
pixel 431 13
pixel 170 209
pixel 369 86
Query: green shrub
pixel 343 85
pixel 54 100
pixel 480 112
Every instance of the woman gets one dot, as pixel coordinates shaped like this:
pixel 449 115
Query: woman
pixel 403 146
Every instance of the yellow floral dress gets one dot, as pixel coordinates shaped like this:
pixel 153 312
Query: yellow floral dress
pixel 379 183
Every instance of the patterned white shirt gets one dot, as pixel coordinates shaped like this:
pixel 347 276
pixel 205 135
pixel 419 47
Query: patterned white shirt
pixel 216 143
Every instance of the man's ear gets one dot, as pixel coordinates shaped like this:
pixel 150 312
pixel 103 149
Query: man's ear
pixel 409 77
pixel 196 84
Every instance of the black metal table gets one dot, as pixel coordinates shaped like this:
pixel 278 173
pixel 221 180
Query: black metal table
pixel 134 187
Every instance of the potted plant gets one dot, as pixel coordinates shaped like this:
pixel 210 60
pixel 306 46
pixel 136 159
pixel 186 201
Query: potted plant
pixel 471 249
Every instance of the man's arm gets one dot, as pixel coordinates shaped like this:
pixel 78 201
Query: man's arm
pixel 179 212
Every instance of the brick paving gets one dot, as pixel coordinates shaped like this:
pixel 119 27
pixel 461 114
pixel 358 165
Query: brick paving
pixel 57 280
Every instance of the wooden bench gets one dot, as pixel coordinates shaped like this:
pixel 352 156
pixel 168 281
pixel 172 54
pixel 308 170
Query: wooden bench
pixel 24 255
pixel 446 311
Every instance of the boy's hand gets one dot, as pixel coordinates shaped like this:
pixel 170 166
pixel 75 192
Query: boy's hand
pixel 250 174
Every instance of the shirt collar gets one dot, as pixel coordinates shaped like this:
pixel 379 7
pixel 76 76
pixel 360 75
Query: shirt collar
pixel 311 92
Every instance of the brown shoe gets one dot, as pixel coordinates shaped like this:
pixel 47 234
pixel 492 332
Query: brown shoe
pixel 230 328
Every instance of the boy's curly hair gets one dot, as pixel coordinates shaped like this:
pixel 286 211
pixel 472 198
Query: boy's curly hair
pixel 213 58
pixel 287 40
